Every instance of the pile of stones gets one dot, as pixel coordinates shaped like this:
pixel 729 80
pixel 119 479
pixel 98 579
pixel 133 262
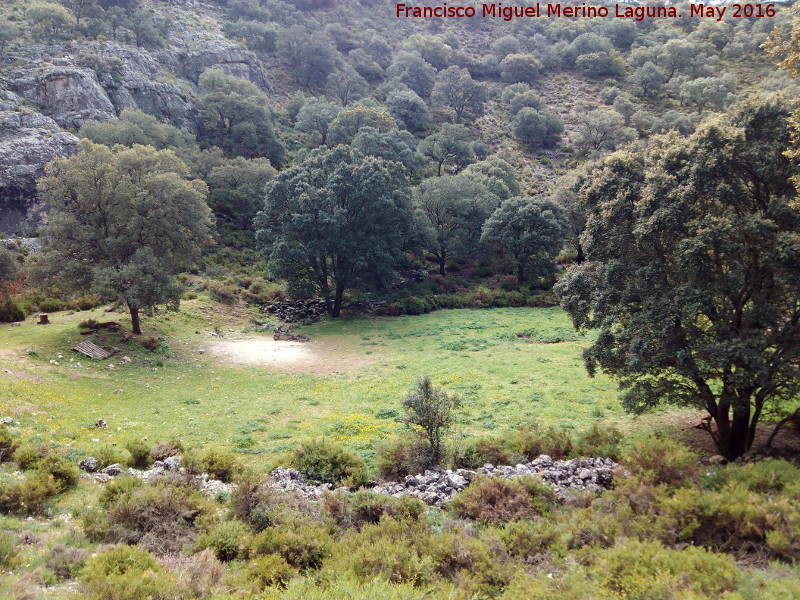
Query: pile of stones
pixel 437 487
pixel 161 468
pixel 297 311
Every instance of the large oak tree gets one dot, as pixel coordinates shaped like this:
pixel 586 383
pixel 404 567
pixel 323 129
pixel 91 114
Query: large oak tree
pixel 122 222
pixel 693 273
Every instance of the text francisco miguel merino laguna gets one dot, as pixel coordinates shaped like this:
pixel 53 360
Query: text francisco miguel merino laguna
pixel 507 13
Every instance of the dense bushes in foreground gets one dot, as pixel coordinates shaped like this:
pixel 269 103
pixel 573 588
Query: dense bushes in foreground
pixel 673 527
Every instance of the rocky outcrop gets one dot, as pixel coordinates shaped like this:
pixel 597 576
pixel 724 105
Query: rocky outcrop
pixel 229 58
pixel 28 142
pixel 70 94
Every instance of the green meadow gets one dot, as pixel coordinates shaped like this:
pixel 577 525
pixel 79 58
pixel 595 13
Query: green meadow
pixel 510 366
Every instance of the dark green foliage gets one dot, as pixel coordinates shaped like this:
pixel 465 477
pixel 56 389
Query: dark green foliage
pixel 66 562
pixel 333 219
pixel 219 464
pixel 455 89
pixel 531 230
pixel 315 117
pixel 28 496
pixel 63 472
pixel 352 119
pixel 537 128
pixel 401 457
pixel 520 68
pixel 139 454
pixel 408 109
pixel 411 69
pixel 303 545
pixel 26 456
pixel 449 147
pixel 433 411
pixel 259 37
pixel 234 115
pixel 110 228
pixel 532 441
pixel 226 540
pixel 11 311
pixel 8 445
pixel 322 460
pixel 393 145
pixel 236 190
pixel 717 336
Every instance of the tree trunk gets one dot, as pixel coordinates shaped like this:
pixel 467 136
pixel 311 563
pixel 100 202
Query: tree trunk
pixel 135 325
pixel 733 433
pixel 580 257
pixel 337 301
pixel 442 257
pixel 520 273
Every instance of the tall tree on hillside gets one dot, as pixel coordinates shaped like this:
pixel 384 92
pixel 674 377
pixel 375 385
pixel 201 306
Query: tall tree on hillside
pixel 333 218
pixel 122 223
pixel 531 230
pixel 450 212
pixel 234 114
pixel 455 89
pixel 450 146
pixel 693 273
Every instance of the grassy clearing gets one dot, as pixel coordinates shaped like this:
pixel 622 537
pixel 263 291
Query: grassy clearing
pixel 176 393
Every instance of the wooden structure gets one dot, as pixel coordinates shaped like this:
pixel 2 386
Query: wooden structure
pixel 43 320
pixel 92 350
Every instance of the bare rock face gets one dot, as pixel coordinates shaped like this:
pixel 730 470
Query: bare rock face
pixel 71 95
pixel 230 59
pixel 28 142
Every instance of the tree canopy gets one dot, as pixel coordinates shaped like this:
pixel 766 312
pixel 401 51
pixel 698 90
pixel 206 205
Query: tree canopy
pixel 693 273
pixel 123 222
pixel 334 218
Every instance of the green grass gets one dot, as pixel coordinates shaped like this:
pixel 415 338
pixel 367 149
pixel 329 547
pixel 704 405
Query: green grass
pixel 504 380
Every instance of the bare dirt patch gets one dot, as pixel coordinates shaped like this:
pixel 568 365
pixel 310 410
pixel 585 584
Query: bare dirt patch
pixel 314 357
pixel 16 365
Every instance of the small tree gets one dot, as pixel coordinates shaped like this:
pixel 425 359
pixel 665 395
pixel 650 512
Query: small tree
pixel 455 89
pixel 347 85
pixel 537 128
pixel 316 117
pixel 434 412
pixel 449 146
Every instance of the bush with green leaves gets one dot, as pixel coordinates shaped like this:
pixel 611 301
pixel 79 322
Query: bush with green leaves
pixel 63 472
pixel 303 544
pixel 28 496
pixel 322 460
pixel 128 572
pixel 8 444
pixel 140 457
pixel 219 465
pixel 532 441
pixel 660 460
pixel 492 500
pixel 226 539
pixel 270 570
pixel 433 412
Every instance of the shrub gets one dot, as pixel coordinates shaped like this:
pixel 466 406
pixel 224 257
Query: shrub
pixel 529 539
pixel 219 465
pixel 127 572
pixel 599 440
pixel 391 550
pixel 205 573
pixel 50 305
pixel 482 451
pixel 62 471
pixel 270 570
pixel 221 292
pixel 159 517
pixel 303 545
pixel 433 411
pixel 259 504
pixel 366 506
pixel 491 500
pixel 28 497
pixel 11 310
pixel 87 302
pixel 531 441
pixel 659 460
pixel 8 444
pixel 164 450
pixel 225 540
pixel 117 488
pixel 140 454
pixel 66 562
pixel 401 457
pixel 108 455
pixel 322 460
pixel 28 457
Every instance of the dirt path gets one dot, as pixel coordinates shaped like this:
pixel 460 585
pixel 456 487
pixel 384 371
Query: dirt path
pixel 314 357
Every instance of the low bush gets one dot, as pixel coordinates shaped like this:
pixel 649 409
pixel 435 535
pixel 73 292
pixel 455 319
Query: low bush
pixel 160 517
pixel 28 457
pixel 127 572
pixel 492 500
pixel 270 570
pixel 482 451
pixel 51 305
pixel 66 562
pixel 108 455
pixel 532 441
pixel 62 471
pixel 139 454
pixel 400 457
pixel 226 540
pixel 8 445
pixel 29 496
pixel 599 440
pixel 219 465
pixel 164 450
pixel 366 506
pixel 87 302
pixel 256 502
pixel 304 545
pixel 11 310
pixel 328 462
pixel 658 460
pixel 205 574
pixel 529 539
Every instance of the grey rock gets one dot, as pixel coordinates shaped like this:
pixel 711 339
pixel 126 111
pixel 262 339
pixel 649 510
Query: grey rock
pixel 6 421
pixel 101 424
pixel 112 470
pixel 89 464
pixel 173 463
